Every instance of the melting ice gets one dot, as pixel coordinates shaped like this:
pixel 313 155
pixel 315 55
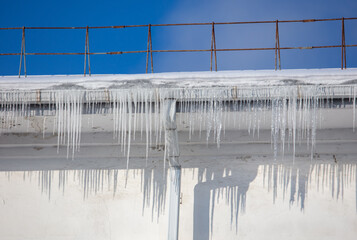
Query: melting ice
pixel 294 112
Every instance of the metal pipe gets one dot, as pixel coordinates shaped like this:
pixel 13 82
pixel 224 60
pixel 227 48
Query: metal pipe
pixel 174 204
pixel 172 156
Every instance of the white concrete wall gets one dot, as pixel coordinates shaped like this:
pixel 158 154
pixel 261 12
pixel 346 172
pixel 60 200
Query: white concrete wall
pixel 43 195
pixel 305 200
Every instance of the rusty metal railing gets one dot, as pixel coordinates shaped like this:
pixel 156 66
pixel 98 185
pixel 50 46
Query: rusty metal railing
pixel 213 50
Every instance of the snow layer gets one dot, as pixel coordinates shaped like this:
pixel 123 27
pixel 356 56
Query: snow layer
pixel 184 79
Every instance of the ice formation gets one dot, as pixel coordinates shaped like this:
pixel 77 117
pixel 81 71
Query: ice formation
pixel 294 111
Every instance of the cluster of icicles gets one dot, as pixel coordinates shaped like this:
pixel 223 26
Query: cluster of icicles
pixel 293 111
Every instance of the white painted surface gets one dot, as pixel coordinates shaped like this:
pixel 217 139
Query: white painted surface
pixel 235 192
pixel 28 214
pixel 308 199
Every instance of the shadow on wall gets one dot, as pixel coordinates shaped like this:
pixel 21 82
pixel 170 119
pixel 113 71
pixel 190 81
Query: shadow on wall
pixel 292 179
pixel 233 184
pixel 227 180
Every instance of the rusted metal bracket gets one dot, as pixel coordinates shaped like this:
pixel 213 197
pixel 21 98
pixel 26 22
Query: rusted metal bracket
pixel 38 96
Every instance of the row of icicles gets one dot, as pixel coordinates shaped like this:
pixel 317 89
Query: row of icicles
pixel 294 112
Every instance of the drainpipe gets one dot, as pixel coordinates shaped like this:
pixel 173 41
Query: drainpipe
pixel 172 156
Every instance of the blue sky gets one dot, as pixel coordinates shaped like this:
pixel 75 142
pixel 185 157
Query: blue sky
pixel 17 13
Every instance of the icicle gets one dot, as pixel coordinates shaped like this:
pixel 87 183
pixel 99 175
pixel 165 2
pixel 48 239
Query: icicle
pixel 354 108
pixel 295 113
pixel 129 132
pixel 44 127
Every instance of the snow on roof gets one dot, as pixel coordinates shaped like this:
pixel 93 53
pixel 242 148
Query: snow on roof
pixel 184 79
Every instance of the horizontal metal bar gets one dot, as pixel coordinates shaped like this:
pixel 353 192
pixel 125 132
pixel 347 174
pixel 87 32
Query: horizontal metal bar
pixel 187 24
pixel 179 50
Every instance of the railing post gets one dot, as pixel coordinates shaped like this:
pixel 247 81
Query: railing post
pixel 149 50
pixel 343 46
pixel 277 45
pixel 86 52
pixel 213 48
pixel 23 53
pixel 172 156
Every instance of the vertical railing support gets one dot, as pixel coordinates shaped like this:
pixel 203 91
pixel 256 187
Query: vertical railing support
pixel 172 156
pixel 343 46
pixel 149 51
pixel 277 45
pixel 23 52
pixel 86 53
pixel 213 49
